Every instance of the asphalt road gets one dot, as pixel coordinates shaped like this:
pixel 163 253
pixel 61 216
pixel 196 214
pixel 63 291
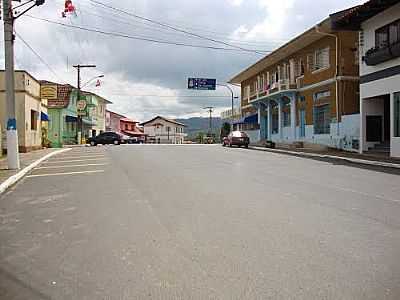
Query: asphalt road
pixel 199 222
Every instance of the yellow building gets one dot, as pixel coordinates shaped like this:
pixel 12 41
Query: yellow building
pixel 29 110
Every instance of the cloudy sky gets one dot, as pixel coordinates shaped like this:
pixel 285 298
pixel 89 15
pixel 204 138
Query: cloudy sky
pixel 145 78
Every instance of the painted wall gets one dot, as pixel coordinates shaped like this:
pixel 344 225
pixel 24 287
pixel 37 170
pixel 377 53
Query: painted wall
pixel 369 27
pixel 27 98
pixel 254 135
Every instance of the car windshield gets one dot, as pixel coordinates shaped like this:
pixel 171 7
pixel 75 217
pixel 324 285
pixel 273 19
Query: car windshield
pixel 209 149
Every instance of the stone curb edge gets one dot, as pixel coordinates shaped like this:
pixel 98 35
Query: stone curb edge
pixel 15 178
pixel 314 155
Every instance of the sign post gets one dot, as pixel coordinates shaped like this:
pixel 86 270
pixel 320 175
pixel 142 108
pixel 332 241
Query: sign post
pixel 204 84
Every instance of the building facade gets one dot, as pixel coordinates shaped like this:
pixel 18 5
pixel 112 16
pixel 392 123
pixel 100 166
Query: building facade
pixel 305 91
pixel 30 110
pixel 132 129
pixel 160 130
pixel 113 121
pixel 61 99
pixel 378 23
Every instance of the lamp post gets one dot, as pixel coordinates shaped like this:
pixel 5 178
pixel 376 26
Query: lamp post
pixel 233 97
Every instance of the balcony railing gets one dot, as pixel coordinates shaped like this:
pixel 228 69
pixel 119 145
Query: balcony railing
pixel 379 55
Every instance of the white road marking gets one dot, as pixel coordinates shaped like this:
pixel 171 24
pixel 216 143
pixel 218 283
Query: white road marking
pixel 70 166
pixel 77 157
pixel 64 174
pixel 72 160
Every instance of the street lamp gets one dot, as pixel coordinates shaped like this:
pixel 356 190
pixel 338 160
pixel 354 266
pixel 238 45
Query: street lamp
pixel 233 97
pixel 89 81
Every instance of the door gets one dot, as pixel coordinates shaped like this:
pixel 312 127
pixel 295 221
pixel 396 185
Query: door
pixel 302 121
pixel 374 128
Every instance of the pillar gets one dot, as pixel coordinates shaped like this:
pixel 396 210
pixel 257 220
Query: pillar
pixel 293 120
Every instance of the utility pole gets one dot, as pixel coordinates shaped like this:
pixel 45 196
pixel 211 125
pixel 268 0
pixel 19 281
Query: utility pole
pixel 9 38
pixel 210 111
pixel 232 103
pixel 79 127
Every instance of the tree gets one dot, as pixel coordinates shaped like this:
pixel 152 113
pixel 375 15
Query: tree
pixel 200 137
pixel 225 129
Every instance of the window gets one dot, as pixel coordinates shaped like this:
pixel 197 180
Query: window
pixel 396 108
pixel 321 59
pixel 126 127
pixel 387 35
pixel 322 119
pixel 302 99
pixel 321 95
pixel 34 119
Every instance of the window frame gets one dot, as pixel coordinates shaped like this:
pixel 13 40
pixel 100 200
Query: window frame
pixel 34 120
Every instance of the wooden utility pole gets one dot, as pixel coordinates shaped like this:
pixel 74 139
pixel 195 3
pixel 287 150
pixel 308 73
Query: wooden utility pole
pixel 79 127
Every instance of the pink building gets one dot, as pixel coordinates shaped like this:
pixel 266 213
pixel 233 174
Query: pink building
pixel 113 121
pixel 131 128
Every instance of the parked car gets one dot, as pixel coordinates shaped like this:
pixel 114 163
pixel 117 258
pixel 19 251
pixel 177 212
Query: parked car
pixel 131 140
pixel 236 138
pixel 106 138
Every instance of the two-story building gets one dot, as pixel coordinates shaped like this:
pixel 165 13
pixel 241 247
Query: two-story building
pixel 29 108
pixel 305 91
pixel 61 99
pixel 161 130
pixel 113 121
pixel 378 24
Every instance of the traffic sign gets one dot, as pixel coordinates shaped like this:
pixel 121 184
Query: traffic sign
pixel 202 84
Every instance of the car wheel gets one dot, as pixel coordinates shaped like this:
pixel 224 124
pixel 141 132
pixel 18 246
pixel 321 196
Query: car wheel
pixel 246 146
pixel 230 145
pixel 92 143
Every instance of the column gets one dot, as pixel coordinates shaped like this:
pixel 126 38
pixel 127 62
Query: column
pixel 269 121
pixel 280 118
pixel 293 115
pixel 363 131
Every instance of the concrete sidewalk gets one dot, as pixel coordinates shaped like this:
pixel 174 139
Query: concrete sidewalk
pixel 26 160
pixel 337 155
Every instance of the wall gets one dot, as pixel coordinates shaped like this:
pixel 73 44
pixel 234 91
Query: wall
pixel 162 132
pixel 254 135
pixel 369 27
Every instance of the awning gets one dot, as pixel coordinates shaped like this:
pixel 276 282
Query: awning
pixel 253 119
pixel 71 119
pixel 44 117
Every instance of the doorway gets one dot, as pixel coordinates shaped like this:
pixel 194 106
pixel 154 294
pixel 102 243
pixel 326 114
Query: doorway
pixel 302 121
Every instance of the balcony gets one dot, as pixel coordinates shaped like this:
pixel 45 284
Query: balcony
pixel 379 55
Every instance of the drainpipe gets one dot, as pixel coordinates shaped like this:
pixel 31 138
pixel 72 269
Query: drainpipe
pixel 336 74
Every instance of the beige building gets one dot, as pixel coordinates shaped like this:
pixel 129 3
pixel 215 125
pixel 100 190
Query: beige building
pixel 161 130
pixel 29 111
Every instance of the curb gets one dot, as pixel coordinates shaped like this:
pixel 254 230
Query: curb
pixel 314 155
pixel 15 178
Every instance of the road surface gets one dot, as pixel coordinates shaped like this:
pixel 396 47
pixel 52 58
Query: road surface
pixel 199 222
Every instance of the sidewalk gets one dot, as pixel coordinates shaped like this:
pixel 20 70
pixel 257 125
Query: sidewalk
pixel 26 159
pixel 352 157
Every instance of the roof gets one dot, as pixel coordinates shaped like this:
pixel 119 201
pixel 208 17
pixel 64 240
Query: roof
pixel 63 94
pixel 93 94
pixel 352 18
pixel 165 119
pixel 128 120
pixel 114 113
pixel 299 42
pixel 134 132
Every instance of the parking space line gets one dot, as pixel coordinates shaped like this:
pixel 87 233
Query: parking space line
pixel 65 174
pixel 78 156
pixel 72 160
pixel 70 166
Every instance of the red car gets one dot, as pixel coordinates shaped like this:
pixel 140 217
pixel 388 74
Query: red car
pixel 236 138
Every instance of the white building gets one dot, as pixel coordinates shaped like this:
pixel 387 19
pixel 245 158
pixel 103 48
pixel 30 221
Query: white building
pixel 379 26
pixel 161 130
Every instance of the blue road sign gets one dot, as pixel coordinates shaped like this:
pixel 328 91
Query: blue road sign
pixel 202 84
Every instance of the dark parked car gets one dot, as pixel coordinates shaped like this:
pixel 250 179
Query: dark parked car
pixel 236 138
pixel 131 140
pixel 105 138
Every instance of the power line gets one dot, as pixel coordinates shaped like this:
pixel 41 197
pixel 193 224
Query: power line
pixel 175 28
pixel 113 18
pixel 40 58
pixel 135 37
